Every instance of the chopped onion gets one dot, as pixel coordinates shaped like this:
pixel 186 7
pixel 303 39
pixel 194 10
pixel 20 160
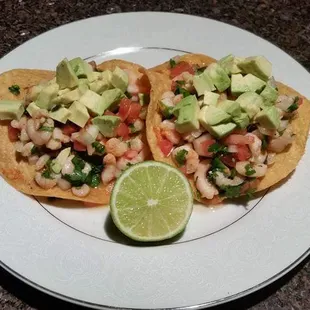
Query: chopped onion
pixel 283 102
pixel 232 148
pixel 93 130
pixel 85 137
pixel 272 82
pixel 271 157
pixel 90 149
pixel 283 125
pixel 268 132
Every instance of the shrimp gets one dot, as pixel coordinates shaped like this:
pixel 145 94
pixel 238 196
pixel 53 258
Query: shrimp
pixel 38 137
pixel 24 136
pixel 168 131
pixel 44 182
pixel 191 158
pixel 191 136
pixel 222 180
pixel 133 77
pixel 42 161
pixel 257 170
pixel 108 174
pixel 57 134
pixel 26 151
pixel 203 185
pixel 138 125
pixel 109 159
pixel 279 144
pixel 82 191
pixel 116 147
pixel 53 144
pixel 32 159
pixel 255 147
pixel 63 184
pixel 136 144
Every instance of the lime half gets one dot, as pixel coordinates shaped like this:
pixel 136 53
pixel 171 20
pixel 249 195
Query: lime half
pixel 151 201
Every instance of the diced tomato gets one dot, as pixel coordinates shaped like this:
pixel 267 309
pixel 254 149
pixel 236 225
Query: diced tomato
pixel 180 68
pixel 13 133
pixel 130 154
pixel 165 146
pixel 122 130
pixel 243 153
pixel 124 108
pixel 228 160
pixel 144 85
pixel 205 147
pixel 134 112
pixel 107 112
pixel 69 129
pixel 238 139
pixel 79 146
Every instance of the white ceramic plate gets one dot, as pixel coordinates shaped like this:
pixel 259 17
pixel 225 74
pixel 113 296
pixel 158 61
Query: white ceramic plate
pixel 76 254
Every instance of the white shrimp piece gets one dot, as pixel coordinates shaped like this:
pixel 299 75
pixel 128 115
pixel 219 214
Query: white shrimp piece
pixel 42 161
pixel 116 147
pixel 191 158
pixel 26 151
pixel 138 124
pixel 53 144
pixel 271 158
pixel 279 144
pixel 191 136
pixel 44 182
pixel 283 102
pixel 143 155
pixel 122 163
pixel 40 113
pixel 259 169
pixel 136 144
pixel 68 167
pixel 32 159
pixel 168 94
pixel 283 125
pixel 24 136
pixel 57 134
pixel 65 139
pixel 18 146
pixel 168 131
pixel 108 174
pixel 63 184
pixel 177 99
pixel 203 185
pixel 15 124
pixel 38 137
pixel 82 191
pixel 257 133
pixel 23 122
pixel 222 180
pixel 109 159
pixel 255 147
pixel 87 168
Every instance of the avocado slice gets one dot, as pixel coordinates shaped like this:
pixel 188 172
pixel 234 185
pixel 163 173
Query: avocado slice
pixel 34 91
pixel 268 118
pixel 258 66
pixel 80 67
pixel 78 114
pixel 210 98
pixel 99 86
pixel 221 130
pixel 202 82
pixel 93 102
pixel 32 107
pixel 46 96
pixel 230 64
pixel 107 124
pixel 254 83
pixel 269 94
pixel 242 120
pixel 238 85
pixel 11 109
pixel 218 76
pixel 61 115
pixel 65 76
pixel 111 98
pixel 211 115
pixel 120 79
pixel 188 118
pixel 231 107
pixel 189 100
pixel 72 95
pixel 250 103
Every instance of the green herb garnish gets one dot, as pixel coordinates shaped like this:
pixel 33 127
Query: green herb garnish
pixel 181 90
pixel 14 89
pixel 217 164
pixel 93 178
pixel 46 174
pixel 77 178
pixel 78 162
pixel 172 63
pixel 180 157
pixel 34 150
pixel 249 170
pixel 217 148
pixel 46 128
pixel 264 143
pixel 294 106
pixel 250 193
pixel 99 148
pixel 231 191
pixel 168 112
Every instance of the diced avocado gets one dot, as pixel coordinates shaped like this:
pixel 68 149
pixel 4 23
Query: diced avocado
pixel 106 75
pixel 78 114
pixel 211 115
pixel 268 118
pixel 63 91
pixel 254 83
pixel 210 98
pixel 73 95
pixel 218 76
pixel 93 76
pixel 230 64
pixel 238 85
pixel 83 81
pixel 269 95
pixel 59 161
pixel 202 82
pixel 257 65
pixel 189 100
pixel 119 79
pixel 32 107
pixel 11 109
pixel 221 130
pixel 93 102
pixel 107 124
pixel 47 94
pixel 65 76
pixel 34 91
pixel 80 67
pixel 250 103
pixel 188 118
pixel 242 120
pixel 52 81
pixel 230 107
pixel 111 98
pixel 144 99
pixel 99 86
pixel 61 115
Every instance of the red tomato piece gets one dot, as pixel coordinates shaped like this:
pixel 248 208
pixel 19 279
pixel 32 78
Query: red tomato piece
pixel 69 129
pixel 205 148
pixel 165 146
pixel 79 146
pixel 13 133
pixel 124 108
pixel 130 154
pixel 134 112
pixel 122 130
pixel 243 153
pixel 180 68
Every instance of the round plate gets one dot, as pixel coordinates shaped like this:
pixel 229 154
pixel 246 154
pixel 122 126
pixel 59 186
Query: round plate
pixel 75 253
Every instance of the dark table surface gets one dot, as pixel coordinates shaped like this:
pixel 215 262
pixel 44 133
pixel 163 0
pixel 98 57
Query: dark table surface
pixel 283 22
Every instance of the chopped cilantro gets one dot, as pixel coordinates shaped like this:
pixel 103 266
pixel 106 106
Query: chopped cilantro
pixel 129 165
pixel 217 148
pixel 172 63
pixel 46 128
pixel 180 82
pixel 180 157
pixel 14 89
pixel 93 178
pixel 78 162
pixel 77 178
pixel 212 175
pixel 46 174
pixel 99 148
pixel 264 143
pixel 250 193
pixel 293 107
pixel 231 191
pixel 218 165
pixel 34 150
pixel 182 91
pixel 168 112
pixel 249 170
